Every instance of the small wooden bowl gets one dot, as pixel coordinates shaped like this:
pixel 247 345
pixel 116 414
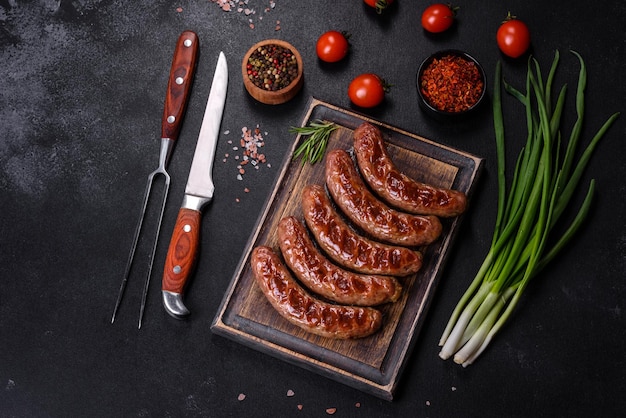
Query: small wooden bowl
pixel 279 96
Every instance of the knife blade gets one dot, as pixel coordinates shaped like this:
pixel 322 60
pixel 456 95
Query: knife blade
pixel 183 249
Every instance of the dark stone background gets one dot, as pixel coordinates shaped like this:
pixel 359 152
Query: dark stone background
pixel 82 84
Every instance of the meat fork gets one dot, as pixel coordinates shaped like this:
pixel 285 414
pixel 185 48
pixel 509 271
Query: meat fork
pixel 176 98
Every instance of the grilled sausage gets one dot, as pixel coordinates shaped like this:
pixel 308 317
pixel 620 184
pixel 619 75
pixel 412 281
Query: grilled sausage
pixel 326 279
pixel 346 247
pixel 301 309
pixel 396 188
pixel 368 212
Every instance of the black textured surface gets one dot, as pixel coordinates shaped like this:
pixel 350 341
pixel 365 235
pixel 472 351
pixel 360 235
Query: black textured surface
pixel 82 84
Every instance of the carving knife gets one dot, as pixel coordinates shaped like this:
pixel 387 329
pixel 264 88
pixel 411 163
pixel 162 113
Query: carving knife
pixel 183 248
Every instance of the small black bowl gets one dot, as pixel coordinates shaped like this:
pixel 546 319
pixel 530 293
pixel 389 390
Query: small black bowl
pixel 466 109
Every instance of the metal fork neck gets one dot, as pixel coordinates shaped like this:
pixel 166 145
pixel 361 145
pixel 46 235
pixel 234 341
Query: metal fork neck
pixel 167 144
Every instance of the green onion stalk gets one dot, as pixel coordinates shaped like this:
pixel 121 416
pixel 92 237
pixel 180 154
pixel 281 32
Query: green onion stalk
pixel 544 180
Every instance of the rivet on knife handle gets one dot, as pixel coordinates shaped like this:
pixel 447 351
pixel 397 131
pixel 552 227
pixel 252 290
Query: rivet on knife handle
pixel 179 84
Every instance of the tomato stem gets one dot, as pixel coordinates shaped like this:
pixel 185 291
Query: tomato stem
pixel 509 17
pixel 386 86
pixel 381 5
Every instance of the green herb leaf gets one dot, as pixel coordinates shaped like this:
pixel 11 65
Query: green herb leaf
pixel 313 147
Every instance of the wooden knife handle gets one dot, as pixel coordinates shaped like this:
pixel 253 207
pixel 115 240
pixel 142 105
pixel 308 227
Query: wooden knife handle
pixel 183 250
pixel 179 84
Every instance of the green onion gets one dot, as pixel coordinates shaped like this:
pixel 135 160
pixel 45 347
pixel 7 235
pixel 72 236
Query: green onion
pixel 313 147
pixel 542 185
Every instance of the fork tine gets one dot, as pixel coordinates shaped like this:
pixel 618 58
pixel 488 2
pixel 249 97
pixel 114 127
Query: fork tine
pixel 154 247
pixel 131 256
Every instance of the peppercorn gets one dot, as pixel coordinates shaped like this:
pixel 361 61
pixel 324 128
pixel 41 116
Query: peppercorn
pixel 272 67
pixel 451 84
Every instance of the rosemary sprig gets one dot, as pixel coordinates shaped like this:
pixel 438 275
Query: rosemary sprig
pixel 313 147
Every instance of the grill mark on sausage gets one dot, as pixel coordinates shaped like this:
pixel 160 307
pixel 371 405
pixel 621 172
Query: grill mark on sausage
pixel 302 309
pixel 326 279
pixel 348 248
pixel 369 213
pixel 396 188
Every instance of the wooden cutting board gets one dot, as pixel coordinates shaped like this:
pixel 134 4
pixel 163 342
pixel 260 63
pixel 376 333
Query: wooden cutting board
pixel 371 364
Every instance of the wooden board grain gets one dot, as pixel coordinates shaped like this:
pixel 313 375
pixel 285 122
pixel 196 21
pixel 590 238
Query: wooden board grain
pixel 373 364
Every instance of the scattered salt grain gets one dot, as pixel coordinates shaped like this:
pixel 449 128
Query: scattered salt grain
pixel 358 404
pixel 248 152
pixel 290 393
pixel 300 407
pixel 331 411
pixel 241 397
pixel 241 7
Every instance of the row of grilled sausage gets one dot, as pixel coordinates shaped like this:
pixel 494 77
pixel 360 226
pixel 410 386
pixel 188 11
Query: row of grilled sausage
pixel 352 273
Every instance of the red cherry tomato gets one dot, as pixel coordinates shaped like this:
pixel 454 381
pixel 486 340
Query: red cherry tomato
pixel 379 5
pixel 367 90
pixel 513 37
pixel 438 17
pixel 332 46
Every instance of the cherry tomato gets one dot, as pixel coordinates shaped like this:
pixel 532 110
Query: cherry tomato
pixel 513 37
pixel 438 17
pixel 379 5
pixel 332 46
pixel 367 90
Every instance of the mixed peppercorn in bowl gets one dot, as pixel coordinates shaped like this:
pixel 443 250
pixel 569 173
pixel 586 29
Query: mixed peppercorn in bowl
pixel 272 71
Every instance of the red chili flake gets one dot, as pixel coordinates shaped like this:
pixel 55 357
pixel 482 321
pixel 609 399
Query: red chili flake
pixel 331 411
pixel 451 84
